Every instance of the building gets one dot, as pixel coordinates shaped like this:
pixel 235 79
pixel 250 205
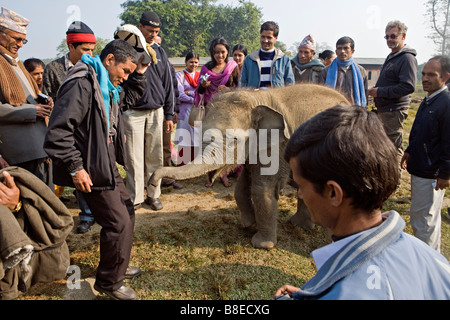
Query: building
pixel 373 67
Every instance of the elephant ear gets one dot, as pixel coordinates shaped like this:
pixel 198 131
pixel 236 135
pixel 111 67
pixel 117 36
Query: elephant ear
pixel 264 117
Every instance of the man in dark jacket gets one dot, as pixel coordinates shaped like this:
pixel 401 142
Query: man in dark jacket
pixel 428 156
pixel 84 139
pixel 146 120
pixel 397 81
pixel 80 40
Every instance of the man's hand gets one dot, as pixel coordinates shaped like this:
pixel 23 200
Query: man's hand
pixel 287 289
pixel 373 92
pixel 169 126
pixel 82 181
pixel 51 103
pixel 142 68
pixel 9 193
pixel 442 184
pixel 404 161
pixel 43 111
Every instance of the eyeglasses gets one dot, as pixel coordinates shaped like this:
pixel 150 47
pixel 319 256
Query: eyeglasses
pixel 392 36
pixel 24 41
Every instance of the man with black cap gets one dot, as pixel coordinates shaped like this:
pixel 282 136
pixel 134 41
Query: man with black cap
pixel 146 121
pixel 80 40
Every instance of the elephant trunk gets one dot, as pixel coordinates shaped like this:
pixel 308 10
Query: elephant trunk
pixel 188 171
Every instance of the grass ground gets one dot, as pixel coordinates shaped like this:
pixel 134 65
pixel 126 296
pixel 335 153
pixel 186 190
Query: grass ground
pixel 201 253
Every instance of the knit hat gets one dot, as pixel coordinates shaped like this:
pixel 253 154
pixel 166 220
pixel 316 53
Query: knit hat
pixel 79 32
pixel 309 42
pixel 13 21
pixel 150 18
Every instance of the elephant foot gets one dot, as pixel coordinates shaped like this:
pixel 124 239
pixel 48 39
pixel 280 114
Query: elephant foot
pixel 261 242
pixel 302 220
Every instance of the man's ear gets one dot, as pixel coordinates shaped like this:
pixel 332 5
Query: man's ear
pixel 110 60
pixel 446 77
pixel 334 193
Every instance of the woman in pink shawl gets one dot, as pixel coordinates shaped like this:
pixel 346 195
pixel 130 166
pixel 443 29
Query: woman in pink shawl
pixel 222 75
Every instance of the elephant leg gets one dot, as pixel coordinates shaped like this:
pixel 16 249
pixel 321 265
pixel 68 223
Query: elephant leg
pixel 265 195
pixel 243 197
pixel 302 218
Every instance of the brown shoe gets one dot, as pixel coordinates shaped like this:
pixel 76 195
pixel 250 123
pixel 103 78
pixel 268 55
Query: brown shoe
pixel 123 293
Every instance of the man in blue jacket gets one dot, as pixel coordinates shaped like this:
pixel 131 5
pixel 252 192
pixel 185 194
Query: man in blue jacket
pixel 346 168
pixel 428 156
pixel 267 67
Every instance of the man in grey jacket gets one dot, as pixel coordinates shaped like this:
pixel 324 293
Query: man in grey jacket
pixel 396 83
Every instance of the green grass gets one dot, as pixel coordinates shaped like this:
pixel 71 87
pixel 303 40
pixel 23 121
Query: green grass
pixel 206 255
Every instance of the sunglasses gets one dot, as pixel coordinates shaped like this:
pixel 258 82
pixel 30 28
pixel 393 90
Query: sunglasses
pixel 392 36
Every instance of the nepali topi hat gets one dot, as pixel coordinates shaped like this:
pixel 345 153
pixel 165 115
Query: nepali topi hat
pixel 13 21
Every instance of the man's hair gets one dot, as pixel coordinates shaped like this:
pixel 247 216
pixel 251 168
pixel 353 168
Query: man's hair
pixel 271 26
pixel 345 40
pixel 122 51
pixel 402 28
pixel 326 54
pixel 348 145
pixel 445 64
pixel 32 63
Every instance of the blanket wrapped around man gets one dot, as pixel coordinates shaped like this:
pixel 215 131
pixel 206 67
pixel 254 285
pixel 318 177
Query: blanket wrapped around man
pixel 33 244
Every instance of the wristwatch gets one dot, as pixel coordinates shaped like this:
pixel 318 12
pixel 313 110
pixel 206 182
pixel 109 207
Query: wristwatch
pixel 74 174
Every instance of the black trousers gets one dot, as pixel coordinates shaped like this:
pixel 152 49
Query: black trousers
pixel 113 210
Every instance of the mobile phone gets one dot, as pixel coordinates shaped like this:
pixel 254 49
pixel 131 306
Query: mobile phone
pixel 42 99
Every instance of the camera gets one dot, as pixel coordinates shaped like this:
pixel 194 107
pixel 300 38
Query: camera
pixel 42 99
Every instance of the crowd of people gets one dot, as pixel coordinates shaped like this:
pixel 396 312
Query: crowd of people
pixel 71 121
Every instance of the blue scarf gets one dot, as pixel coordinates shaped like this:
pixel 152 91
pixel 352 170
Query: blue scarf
pixel 358 81
pixel 103 79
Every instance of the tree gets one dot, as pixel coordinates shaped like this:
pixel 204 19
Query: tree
pixel 438 12
pixel 191 25
pixel 63 49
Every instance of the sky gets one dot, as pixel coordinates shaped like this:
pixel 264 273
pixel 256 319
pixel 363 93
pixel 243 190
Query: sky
pixel 326 20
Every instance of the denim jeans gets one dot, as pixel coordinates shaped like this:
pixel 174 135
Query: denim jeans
pixel 85 214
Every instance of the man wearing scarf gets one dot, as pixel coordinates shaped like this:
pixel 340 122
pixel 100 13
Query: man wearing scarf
pixel 80 40
pixel 22 119
pixel 306 68
pixel 345 75
pixel 85 140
